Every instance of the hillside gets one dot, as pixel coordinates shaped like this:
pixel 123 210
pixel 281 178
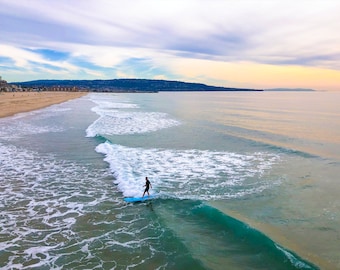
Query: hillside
pixel 128 85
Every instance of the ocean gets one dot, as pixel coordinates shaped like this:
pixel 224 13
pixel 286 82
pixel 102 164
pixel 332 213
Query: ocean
pixel 244 180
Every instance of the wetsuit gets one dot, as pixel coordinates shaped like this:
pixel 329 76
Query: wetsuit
pixel 147 186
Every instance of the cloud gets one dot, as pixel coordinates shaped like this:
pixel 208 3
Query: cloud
pixel 27 58
pixel 151 37
pixel 203 27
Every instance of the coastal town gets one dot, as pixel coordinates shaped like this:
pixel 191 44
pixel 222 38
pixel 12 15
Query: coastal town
pixel 5 87
pixel 15 98
pixel 9 87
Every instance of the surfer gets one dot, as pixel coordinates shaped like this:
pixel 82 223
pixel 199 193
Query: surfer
pixel 147 186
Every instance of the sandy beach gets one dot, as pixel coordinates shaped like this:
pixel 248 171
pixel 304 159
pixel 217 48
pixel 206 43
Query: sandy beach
pixel 17 102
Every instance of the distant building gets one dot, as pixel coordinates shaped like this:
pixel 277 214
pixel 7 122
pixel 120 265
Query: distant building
pixel 5 87
pixel 63 88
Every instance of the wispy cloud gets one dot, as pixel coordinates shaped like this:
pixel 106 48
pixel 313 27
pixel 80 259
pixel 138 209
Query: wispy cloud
pixel 153 39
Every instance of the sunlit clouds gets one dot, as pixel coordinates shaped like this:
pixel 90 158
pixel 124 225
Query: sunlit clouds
pixel 260 44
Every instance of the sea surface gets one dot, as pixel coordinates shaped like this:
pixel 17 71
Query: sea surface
pixel 245 180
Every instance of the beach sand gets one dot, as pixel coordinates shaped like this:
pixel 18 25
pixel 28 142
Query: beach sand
pixel 17 102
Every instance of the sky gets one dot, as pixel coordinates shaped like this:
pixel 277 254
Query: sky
pixel 234 43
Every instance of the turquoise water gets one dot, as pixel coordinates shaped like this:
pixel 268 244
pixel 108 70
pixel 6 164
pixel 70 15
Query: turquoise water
pixel 244 181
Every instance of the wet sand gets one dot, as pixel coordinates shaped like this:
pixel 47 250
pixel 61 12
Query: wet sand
pixel 17 102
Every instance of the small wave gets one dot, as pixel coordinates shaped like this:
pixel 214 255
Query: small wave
pixel 274 142
pixel 255 239
pixel 295 260
pixel 17 126
pixel 19 129
pixel 122 123
pixel 206 230
pixel 287 150
pixel 115 120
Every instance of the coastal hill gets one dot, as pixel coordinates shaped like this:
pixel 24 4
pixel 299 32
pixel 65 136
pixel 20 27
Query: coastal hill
pixel 125 85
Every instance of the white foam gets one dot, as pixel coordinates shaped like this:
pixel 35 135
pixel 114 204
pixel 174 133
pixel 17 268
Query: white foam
pixel 41 199
pixel 18 126
pixel 186 173
pixel 19 129
pixel 116 118
pixel 44 112
pixel 110 101
pixel 130 123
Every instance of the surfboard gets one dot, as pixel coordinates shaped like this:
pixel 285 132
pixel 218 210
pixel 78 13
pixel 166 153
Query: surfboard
pixel 139 199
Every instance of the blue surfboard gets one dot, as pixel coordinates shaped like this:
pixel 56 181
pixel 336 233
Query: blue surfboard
pixel 139 199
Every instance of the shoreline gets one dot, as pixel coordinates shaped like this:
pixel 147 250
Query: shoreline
pixel 12 103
